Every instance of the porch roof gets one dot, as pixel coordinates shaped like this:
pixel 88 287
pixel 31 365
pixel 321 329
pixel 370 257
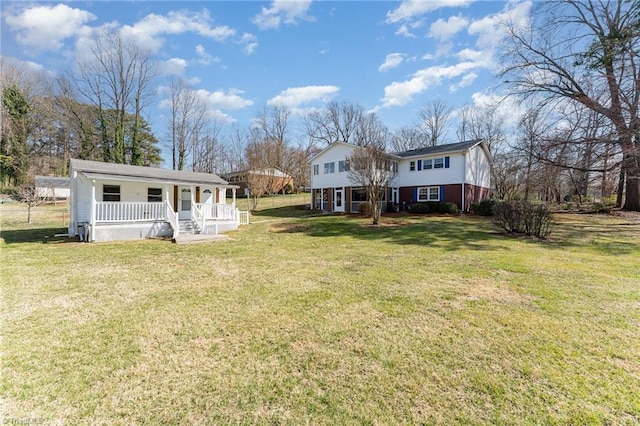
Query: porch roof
pixel 125 172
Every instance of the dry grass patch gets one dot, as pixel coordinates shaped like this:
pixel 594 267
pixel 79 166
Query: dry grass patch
pixel 324 320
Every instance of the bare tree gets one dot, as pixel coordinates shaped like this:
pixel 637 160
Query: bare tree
pixel 375 170
pixel 484 123
pixel 31 196
pixel 434 121
pixel 406 139
pixel 186 123
pixel 117 77
pixel 577 50
pixel 370 166
pixel 337 122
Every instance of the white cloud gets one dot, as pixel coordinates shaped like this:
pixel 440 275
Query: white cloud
pixel 174 66
pixel 205 58
pixel 466 80
pixel 490 29
pixel 401 93
pixel 410 9
pixel 294 97
pixel 45 27
pixel 405 32
pixel 149 30
pixel 444 30
pixel 250 43
pixel 282 11
pixel 392 60
pixel 219 100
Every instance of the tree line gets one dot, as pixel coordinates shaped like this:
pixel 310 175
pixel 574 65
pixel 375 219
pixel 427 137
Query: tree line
pixel 577 137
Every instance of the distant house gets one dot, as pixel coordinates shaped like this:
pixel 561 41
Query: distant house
pixel 52 187
pixel 123 202
pixel 269 179
pixel 457 172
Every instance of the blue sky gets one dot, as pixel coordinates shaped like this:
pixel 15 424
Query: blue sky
pixel 391 57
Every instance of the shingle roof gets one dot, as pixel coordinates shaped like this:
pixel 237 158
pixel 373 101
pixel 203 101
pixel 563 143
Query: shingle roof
pixel 440 149
pixel 154 173
pixel 52 182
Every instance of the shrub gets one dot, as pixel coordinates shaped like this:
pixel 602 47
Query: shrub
pixel 486 207
pixel 364 209
pixel 474 207
pixel 523 217
pixel 420 208
pixel 449 207
pixel 434 206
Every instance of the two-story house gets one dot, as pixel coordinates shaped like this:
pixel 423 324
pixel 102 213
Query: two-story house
pixel 458 172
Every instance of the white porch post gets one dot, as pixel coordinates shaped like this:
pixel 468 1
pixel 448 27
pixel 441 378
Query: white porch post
pixel 233 192
pixel 321 199
pixel 92 218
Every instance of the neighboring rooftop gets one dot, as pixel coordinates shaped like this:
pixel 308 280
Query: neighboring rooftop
pixel 105 170
pixel 440 149
pixel 52 182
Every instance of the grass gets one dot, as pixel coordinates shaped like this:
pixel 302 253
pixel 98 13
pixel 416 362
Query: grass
pixel 325 320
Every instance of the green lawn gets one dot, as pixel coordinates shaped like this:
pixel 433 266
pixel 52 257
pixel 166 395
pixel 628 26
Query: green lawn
pixel 324 320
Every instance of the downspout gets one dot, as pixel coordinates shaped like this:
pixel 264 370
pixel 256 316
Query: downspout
pixel 464 179
pixel 92 218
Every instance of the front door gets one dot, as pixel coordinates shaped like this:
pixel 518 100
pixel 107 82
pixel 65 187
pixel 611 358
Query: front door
pixel 184 203
pixel 339 200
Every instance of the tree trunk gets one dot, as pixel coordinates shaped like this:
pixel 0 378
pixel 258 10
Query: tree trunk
pixel 28 213
pixel 621 184
pixel 631 164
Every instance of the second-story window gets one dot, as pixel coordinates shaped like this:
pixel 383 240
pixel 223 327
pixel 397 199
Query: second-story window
pixel 329 168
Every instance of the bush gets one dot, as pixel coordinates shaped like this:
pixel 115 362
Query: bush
pixel 474 207
pixel 523 217
pixel 486 207
pixel 449 207
pixel 420 208
pixel 364 209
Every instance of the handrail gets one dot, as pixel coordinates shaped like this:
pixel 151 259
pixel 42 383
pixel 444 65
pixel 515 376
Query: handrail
pixel 111 211
pixel 198 217
pixel 172 218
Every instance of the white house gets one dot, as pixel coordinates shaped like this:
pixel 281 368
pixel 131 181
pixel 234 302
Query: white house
pixel 123 202
pixel 457 172
pixel 52 187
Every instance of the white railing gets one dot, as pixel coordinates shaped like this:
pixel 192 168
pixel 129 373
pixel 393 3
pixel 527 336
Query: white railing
pixel 172 219
pixel 198 218
pixel 217 211
pixel 129 212
pixel 243 217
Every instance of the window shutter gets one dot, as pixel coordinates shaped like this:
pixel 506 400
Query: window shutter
pixel 442 193
pixel 415 194
pixel 419 164
pixel 446 162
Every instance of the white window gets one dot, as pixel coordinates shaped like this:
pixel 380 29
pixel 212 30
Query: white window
pixel 427 164
pixel 438 163
pixel 412 166
pixel 154 195
pixel 344 165
pixel 429 193
pixel 111 193
pixel 329 168
pixel 316 169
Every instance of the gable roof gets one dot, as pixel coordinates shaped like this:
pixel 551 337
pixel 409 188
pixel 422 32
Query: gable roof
pixel 440 149
pixel 52 182
pixel 328 147
pixel 98 169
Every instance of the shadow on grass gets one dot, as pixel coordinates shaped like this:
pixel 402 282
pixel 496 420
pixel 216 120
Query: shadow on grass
pixel 35 235
pixel 282 212
pixel 449 234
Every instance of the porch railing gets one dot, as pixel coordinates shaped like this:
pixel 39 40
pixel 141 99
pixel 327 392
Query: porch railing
pixel 217 211
pixel 172 219
pixel 243 217
pixel 197 217
pixel 129 212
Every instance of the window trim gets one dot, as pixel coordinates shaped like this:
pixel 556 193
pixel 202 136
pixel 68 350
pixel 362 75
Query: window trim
pixel 438 163
pixel 412 166
pixel 330 167
pixel 316 169
pixel 111 194
pixel 428 190
pixel 154 198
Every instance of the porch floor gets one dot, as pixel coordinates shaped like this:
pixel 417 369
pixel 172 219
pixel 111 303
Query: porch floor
pixel 199 238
